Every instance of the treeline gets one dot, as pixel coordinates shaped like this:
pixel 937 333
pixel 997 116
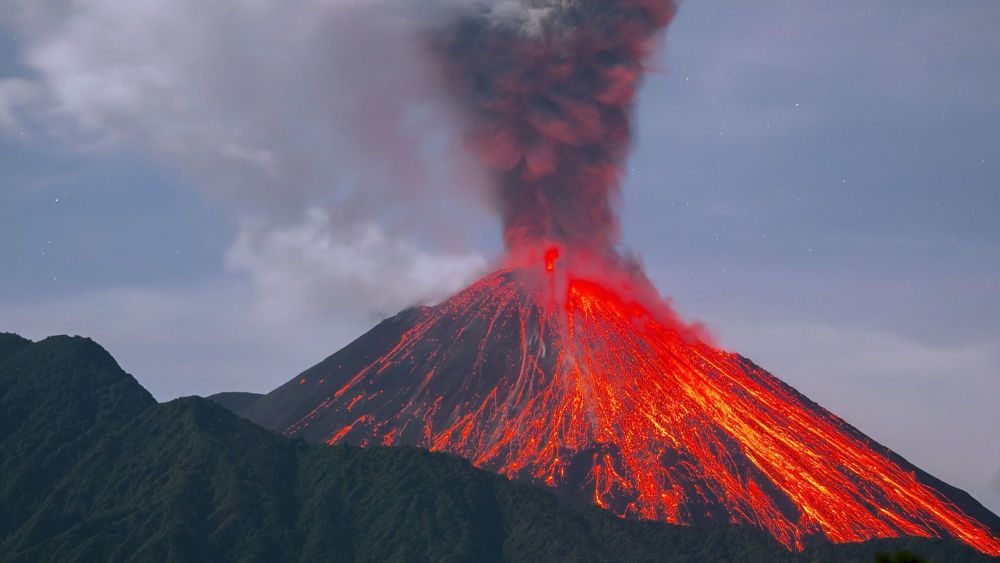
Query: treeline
pixel 93 469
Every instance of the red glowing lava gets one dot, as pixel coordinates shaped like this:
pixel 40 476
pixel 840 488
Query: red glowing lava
pixel 589 392
pixel 551 255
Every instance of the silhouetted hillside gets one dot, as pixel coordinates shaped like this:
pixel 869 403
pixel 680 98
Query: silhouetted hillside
pixel 234 401
pixel 58 398
pixel 94 470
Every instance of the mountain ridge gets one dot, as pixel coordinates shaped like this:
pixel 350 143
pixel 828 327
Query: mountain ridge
pixel 235 401
pixel 189 480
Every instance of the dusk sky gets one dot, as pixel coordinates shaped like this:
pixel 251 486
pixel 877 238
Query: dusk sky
pixel 224 196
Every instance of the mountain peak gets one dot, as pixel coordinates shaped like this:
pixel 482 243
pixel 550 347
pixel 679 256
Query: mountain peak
pixel 81 348
pixel 11 343
pixel 73 382
pixel 572 384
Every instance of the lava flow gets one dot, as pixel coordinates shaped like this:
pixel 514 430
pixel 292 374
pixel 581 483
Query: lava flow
pixel 563 381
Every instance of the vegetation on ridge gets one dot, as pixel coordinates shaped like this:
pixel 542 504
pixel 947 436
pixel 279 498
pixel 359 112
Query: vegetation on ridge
pixel 93 469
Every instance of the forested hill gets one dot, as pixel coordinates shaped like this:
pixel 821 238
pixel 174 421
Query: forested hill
pixel 93 469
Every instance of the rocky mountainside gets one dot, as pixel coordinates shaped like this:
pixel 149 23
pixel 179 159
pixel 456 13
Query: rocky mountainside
pixel 567 384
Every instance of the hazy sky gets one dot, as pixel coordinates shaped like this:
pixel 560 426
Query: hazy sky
pixel 223 196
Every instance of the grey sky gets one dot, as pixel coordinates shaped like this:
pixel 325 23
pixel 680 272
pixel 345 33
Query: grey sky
pixel 216 198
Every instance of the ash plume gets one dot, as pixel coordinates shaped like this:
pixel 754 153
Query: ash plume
pixel 547 88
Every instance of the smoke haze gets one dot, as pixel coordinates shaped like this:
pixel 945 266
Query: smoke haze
pixel 318 127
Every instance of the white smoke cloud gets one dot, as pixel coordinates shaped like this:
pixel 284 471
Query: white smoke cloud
pixel 14 93
pixel 317 122
pixel 355 260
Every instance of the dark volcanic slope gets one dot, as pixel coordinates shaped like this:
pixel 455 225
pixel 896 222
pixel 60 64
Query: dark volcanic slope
pixel 234 401
pixel 95 470
pixel 586 393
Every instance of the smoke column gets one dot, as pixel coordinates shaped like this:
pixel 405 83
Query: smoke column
pixel 548 88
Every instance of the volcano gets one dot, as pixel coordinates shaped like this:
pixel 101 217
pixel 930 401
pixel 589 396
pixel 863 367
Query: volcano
pixel 564 368
pixel 579 384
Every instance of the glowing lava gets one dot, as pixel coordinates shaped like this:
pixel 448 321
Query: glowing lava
pixel 559 380
pixel 551 255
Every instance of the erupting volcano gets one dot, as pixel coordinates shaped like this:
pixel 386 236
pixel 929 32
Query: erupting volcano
pixel 564 367
pixel 559 380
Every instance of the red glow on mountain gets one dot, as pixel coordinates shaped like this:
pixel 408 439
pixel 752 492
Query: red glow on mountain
pixel 570 382
pixel 551 255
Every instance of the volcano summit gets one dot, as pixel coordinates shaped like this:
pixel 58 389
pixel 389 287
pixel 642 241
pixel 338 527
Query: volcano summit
pixel 564 381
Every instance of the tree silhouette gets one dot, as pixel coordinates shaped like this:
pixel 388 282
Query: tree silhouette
pixel 904 556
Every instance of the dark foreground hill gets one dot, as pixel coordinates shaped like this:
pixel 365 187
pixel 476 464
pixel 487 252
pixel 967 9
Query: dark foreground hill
pixel 93 469
pixel 235 401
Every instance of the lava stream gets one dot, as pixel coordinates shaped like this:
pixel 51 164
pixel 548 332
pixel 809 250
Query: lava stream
pixel 563 381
